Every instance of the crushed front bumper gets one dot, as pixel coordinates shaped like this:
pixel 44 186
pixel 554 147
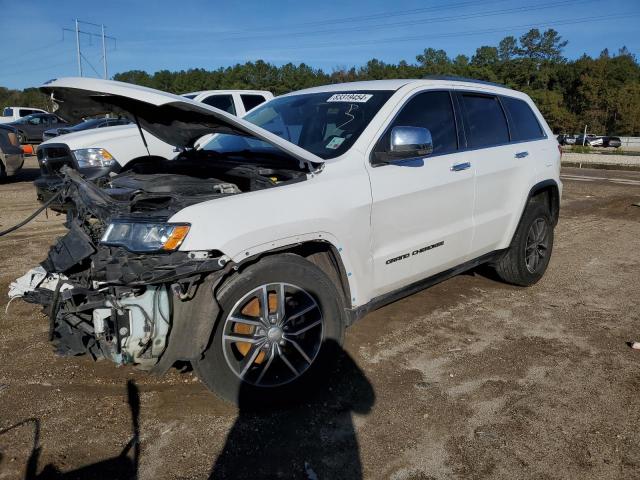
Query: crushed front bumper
pixel 111 303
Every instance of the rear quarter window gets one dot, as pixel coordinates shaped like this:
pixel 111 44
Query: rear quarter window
pixel 223 102
pixel 485 123
pixel 7 112
pixel 251 101
pixel 523 122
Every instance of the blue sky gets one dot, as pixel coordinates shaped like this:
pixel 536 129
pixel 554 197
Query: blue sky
pixel 174 35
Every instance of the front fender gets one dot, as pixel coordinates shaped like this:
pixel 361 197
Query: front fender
pixel 242 226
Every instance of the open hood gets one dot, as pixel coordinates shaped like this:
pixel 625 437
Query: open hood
pixel 173 119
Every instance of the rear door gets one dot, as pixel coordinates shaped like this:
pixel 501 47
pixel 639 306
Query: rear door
pixel 421 213
pixel 502 169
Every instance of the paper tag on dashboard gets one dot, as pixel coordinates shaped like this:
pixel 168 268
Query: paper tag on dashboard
pixel 335 142
pixel 350 97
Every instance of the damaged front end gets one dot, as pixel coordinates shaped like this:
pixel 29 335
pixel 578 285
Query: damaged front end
pixel 105 300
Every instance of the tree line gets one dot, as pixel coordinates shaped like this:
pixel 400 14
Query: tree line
pixel 601 92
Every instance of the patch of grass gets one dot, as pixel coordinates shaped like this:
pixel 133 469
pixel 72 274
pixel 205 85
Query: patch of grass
pixel 581 149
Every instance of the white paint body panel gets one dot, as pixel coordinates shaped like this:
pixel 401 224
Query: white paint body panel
pixel 235 95
pixel 122 141
pixel 370 215
pixel 373 214
pixel 19 112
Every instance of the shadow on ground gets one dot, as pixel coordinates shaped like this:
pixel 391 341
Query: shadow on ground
pixel 312 439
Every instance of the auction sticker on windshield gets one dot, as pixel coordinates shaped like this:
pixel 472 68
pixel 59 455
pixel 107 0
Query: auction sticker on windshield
pixel 350 97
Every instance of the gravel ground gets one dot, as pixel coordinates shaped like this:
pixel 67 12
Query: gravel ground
pixel 469 379
pixel 585 159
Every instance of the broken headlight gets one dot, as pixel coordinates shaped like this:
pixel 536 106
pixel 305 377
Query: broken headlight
pixel 145 237
pixel 93 157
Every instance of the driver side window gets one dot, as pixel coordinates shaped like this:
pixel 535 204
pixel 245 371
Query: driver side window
pixel 432 110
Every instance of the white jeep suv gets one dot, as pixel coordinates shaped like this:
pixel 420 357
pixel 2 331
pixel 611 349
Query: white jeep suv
pixel 250 256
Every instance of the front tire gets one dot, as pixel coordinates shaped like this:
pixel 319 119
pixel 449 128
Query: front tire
pixel 278 320
pixel 526 260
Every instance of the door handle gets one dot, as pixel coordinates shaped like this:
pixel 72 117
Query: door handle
pixel 458 167
pixel 522 154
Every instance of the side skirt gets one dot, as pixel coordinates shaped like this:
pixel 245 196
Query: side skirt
pixel 355 314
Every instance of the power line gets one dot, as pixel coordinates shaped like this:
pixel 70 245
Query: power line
pixel 30 51
pixel 37 69
pixel 421 21
pixel 364 18
pixel 505 29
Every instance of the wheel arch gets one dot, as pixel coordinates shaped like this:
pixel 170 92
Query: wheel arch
pixel 322 253
pixel 548 192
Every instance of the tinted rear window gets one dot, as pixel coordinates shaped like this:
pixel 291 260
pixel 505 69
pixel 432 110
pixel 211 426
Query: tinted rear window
pixel 485 122
pixel 251 101
pixel 223 102
pixel 524 124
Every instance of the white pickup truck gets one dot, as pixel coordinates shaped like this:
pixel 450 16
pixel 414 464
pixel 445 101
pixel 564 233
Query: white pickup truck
pixel 11 114
pixel 250 256
pixel 99 152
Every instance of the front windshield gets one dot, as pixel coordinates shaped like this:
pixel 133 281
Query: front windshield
pixel 326 124
pixel 23 120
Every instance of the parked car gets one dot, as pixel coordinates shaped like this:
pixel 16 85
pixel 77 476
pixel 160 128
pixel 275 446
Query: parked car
pixel 31 127
pixel 590 140
pixel 11 156
pixel 249 256
pixel 95 153
pixel 565 139
pixel 85 125
pixel 11 114
pixel 613 142
pixel 235 102
pixel 122 145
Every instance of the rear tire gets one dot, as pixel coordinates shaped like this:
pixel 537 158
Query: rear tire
pixel 526 260
pixel 295 330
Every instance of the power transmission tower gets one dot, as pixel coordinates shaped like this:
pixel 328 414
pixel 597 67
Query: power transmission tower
pixel 101 35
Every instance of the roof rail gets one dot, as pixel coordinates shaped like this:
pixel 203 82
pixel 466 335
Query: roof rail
pixel 463 79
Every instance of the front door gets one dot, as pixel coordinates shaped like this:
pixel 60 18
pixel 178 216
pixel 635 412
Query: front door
pixel 421 208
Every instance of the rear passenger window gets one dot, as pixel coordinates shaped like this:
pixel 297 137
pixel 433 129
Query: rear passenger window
pixel 223 102
pixel 251 101
pixel 485 122
pixel 524 124
pixel 432 110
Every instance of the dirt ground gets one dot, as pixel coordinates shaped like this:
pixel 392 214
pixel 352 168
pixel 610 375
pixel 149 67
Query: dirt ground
pixel 469 379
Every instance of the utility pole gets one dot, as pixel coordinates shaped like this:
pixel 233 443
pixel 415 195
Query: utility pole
pixel 91 34
pixel 104 55
pixel 78 49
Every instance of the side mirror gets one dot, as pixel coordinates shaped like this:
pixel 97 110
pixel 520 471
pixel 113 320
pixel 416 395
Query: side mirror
pixel 406 143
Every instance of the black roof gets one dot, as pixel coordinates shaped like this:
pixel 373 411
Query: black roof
pixel 463 79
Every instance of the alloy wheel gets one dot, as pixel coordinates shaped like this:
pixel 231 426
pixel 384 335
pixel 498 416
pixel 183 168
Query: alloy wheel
pixel 273 334
pixel 537 245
